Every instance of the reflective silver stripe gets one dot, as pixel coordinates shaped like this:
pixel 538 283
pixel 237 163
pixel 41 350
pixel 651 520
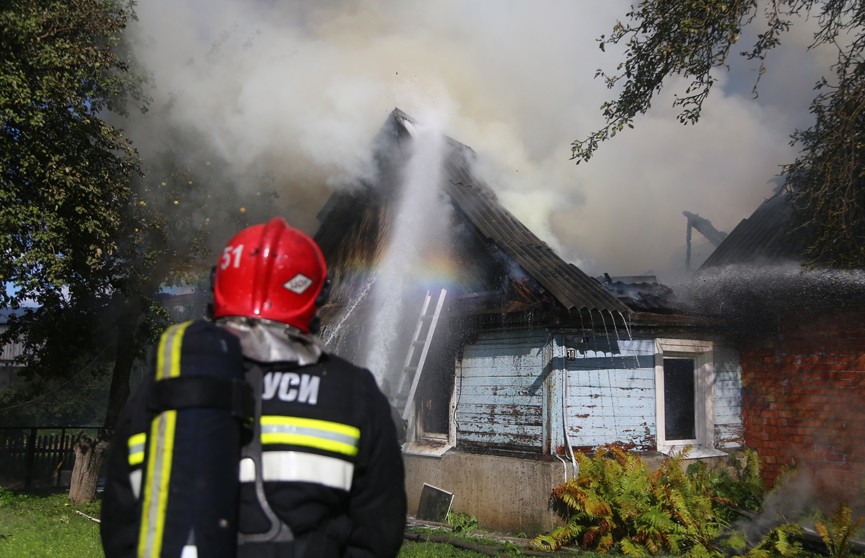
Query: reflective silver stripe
pixel 247 470
pixel 295 466
pixel 135 482
pixel 136 448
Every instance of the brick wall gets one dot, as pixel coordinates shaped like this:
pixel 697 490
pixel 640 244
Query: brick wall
pixel 804 400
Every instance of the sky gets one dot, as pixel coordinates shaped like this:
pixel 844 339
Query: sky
pixel 301 88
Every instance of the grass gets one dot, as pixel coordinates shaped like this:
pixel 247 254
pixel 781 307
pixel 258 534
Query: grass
pixel 43 524
pixel 411 549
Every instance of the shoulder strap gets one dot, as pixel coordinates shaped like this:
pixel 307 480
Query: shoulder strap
pixel 279 532
pixel 201 391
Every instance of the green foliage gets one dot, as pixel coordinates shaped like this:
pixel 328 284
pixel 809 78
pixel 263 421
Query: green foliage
pixel 411 549
pixel 64 171
pixel 735 487
pixel 462 522
pixel 837 531
pixel 664 38
pixel 779 542
pixel 825 182
pixel 65 189
pixel 90 232
pixel 78 400
pixel 617 504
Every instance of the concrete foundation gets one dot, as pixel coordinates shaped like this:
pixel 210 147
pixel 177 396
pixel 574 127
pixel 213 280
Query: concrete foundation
pixel 505 494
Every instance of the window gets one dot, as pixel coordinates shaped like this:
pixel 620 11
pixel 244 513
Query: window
pixel 684 380
pixel 432 403
pixel 430 427
pixel 679 400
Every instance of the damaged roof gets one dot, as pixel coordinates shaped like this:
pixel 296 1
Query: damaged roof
pixel 570 286
pixel 763 237
pixel 479 207
pixel 641 293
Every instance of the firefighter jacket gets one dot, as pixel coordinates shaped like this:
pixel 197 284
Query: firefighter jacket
pixel 318 468
pixel 330 463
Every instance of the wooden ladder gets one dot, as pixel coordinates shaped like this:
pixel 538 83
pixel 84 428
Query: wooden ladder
pixel 415 358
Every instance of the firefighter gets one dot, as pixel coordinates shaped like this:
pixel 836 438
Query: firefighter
pixel 319 467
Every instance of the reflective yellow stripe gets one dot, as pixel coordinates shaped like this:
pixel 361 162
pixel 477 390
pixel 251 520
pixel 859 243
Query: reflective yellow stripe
pixel 136 448
pixel 161 450
pixel 311 433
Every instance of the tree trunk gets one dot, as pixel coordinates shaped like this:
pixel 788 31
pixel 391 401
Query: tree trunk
pixel 89 455
pixel 123 362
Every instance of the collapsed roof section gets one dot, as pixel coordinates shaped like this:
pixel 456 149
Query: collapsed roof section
pixel 504 267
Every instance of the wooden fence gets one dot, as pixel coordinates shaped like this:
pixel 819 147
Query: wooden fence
pixel 39 455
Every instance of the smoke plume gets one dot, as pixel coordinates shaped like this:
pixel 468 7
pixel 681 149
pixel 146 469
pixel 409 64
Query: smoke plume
pixel 297 90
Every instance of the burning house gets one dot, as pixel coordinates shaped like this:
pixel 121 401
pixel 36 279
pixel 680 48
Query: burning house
pixel 501 358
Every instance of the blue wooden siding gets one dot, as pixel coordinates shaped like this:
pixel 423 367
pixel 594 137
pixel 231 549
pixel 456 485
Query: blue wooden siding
pixel 517 390
pixel 728 399
pixel 499 391
pixel 611 398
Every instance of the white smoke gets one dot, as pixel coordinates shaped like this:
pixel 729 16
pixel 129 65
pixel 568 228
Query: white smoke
pixel 301 88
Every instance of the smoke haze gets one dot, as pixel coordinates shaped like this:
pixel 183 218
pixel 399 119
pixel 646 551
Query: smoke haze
pixel 299 89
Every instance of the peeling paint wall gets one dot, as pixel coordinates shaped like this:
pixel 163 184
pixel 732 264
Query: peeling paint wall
pixel 611 397
pixel 499 391
pixel 728 399
pixel 536 392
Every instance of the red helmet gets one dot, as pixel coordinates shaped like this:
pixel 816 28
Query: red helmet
pixel 270 271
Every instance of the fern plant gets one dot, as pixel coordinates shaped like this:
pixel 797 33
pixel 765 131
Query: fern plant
pixel 837 531
pixel 617 504
pixel 782 541
pixel 740 484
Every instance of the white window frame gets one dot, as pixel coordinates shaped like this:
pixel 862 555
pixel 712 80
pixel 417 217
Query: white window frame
pixel 702 352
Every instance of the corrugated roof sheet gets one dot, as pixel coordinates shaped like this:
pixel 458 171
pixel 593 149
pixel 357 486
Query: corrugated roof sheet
pixel 570 286
pixel 762 237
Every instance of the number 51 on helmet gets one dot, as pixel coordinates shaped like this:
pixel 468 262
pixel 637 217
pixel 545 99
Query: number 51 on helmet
pixel 271 271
